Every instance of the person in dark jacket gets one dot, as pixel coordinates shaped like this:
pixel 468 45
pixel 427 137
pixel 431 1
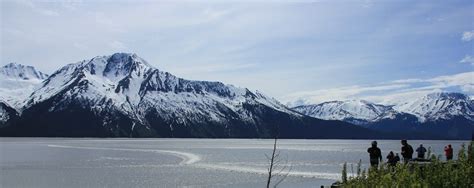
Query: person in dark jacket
pixel 375 154
pixel 421 151
pixel 391 160
pixel 407 151
pixel 397 158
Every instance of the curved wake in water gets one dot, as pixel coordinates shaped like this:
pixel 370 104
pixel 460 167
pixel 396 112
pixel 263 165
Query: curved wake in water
pixel 193 160
pixel 187 158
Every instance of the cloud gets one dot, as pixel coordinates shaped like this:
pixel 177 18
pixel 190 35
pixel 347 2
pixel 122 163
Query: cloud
pixel 408 81
pixel 468 88
pixel 467 36
pixel 467 59
pixel 452 80
pixel 387 93
pixel 340 93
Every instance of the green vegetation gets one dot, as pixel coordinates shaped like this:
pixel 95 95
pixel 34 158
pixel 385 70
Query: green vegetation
pixel 437 173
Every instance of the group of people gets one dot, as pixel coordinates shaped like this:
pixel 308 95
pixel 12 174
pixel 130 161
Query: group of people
pixel 375 153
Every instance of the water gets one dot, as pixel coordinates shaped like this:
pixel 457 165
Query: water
pixel 63 162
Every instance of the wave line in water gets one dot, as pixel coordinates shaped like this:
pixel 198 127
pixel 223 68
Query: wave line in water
pixel 187 158
pixel 190 159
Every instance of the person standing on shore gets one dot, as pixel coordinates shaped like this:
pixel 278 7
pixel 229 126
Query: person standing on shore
pixel 397 158
pixel 448 151
pixel 375 154
pixel 407 151
pixel 421 151
pixel 391 160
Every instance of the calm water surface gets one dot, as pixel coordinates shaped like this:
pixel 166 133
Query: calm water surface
pixel 63 162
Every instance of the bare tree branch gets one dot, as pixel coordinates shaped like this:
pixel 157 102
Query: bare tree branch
pixel 278 166
pixel 270 169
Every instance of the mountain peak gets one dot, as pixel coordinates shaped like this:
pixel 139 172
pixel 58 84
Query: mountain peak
pixel 123 54
pixel 17 82
pixel 448 95
pixel 116 66
pixel 19 71
pixel 12 64
pixel 440 105
pixel 430 107
pixel 354 111
pixel 122 93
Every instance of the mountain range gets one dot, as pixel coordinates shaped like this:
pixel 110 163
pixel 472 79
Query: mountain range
pixel 122 95
pixel 450 114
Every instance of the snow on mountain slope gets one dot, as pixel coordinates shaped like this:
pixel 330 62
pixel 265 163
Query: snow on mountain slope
pixel 4 115
pixel 7 114
pixel 432 107
pixel 439 106
pixel 17 82
pixel 126 83
pixel 19 71
pixel 354 111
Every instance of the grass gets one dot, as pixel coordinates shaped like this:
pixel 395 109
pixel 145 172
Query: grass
pixel 437 173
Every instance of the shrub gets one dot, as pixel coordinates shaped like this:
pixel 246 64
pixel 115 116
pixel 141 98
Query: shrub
pixel 436 173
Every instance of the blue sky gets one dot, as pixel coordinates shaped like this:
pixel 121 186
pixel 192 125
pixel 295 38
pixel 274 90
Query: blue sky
pixel 303 51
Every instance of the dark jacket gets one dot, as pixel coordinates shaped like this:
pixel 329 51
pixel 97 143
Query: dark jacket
pixel 391 159
pixel 375 153
pixel 421 151
pixel 407 151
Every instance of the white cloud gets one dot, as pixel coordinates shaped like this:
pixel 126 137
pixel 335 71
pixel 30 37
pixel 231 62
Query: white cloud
pixel 468 88
pixel 404 81
pixel 341 93
pixel 467 59
pixel 467 36
pixel 453 80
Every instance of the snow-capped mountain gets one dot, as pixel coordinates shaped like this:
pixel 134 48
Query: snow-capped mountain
pixel 439 106
pixel 132 86
pixel 432 107
pixel 437 113
pixel 22 72
pixel 17 82
pixel 123 95
pixel 353 111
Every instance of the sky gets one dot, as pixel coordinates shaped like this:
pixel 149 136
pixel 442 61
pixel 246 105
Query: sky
pixel 299 52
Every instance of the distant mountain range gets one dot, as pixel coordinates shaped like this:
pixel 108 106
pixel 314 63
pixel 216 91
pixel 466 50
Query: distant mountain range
pixel 449 114
pixel 121 95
